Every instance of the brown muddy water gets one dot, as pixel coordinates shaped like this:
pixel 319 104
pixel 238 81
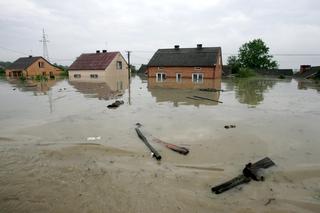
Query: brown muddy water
pixel 47 163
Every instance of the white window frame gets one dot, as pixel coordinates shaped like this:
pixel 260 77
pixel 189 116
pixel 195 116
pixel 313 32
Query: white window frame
pixel 197 79
pixel 179 79
pixel 160 76
pixel 77 75
pixel 119 65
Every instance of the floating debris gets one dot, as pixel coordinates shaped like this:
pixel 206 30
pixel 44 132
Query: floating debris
pixel 116 104
pixel 93 138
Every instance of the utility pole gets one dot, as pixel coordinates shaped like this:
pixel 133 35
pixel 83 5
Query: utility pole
pixel 129 77
pixel 129 65
pixel 44 45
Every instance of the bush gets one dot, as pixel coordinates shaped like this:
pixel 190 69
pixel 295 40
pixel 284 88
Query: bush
pixel 245 73
pixel 64 72
pixel 41 78
pixel 2 72
pixel 22 78
pixel 282 77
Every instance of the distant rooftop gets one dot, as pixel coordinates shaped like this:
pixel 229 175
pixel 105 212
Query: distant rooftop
pixel 23 63
pixel 186 57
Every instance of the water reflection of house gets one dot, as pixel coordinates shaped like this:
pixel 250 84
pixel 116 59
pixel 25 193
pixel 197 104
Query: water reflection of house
pixel 308 84
pixel 194 63
pixel 32 66
pixel 182 92
pixel 102 87
pixel 37 87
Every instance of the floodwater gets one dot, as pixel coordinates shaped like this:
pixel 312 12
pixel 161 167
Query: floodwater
pixel 47 163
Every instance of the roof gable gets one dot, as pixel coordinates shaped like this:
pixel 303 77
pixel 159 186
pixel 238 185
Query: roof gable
pixel 23 63
pixel 93 61
pixel 186 57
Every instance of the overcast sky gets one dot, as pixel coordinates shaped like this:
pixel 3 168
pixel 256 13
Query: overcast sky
pixel 143 26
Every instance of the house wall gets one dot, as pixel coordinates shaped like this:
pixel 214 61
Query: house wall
pixel 85 75
pixel 34 69
pixel 117 79
pixel 208 72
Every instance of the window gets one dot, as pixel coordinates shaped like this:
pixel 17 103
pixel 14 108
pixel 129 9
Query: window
pixel 178 77
pixel 93 75
pixel 197 68
pixel 197 77
pixel 41 64
pixel 160 76
pixel 119 65
pixel 77 76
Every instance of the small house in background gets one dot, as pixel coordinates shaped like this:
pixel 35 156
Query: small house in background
pixel 99 65
pixel 308 71
pixel 32 66
pixel 195 63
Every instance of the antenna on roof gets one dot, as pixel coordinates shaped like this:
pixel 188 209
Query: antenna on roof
pixel 44 45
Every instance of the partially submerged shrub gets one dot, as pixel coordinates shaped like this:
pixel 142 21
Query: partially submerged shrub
pixel 22 78
pixel 282 76
pixel 245 73
pixel 41 78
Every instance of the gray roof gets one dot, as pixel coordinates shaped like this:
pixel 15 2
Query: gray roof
pixel 186 57
pixel 23 63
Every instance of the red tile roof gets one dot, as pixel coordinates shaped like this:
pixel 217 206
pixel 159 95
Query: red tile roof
pixel 93 61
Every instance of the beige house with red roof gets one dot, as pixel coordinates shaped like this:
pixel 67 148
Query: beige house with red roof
pixel 99 66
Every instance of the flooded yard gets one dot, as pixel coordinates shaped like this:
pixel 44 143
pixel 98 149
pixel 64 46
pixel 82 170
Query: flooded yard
pixel 47 163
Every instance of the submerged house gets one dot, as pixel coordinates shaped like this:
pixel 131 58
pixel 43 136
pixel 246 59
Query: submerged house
pixel 98 66
pixel 32 66
pixel 195 63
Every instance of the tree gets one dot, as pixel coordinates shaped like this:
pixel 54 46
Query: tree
pixel 255 55
pixel 233 63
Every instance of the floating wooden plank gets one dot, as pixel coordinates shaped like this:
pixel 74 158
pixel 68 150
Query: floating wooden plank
pixel 154 152
pixel 211 90
pixel 244 178
pixel 209 99
pixel 173 147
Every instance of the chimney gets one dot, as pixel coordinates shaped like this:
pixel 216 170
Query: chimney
pixel 104 51
pixel 199 46
pixel 97 51
pixel 30 56
pixel 176 47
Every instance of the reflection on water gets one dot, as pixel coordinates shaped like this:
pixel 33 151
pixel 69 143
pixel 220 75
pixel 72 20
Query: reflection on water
pixel 250 90
pixel 183 91
pixel 103 88
pixel 307 84
pixel 37 87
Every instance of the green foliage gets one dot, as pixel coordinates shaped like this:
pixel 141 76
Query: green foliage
pixel 40 78
pixel 234 64
pixel 245 73
pixel 255 55
pixel 282 77
pixel 22 78
pixel 251 90
pixel 5 64
pixel 2 72
pixel 63 68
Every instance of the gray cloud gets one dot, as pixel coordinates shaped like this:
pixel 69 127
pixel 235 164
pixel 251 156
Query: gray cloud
pixel 81 26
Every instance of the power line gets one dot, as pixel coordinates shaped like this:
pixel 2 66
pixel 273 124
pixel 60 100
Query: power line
pixel 14 51
pixel 44 45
